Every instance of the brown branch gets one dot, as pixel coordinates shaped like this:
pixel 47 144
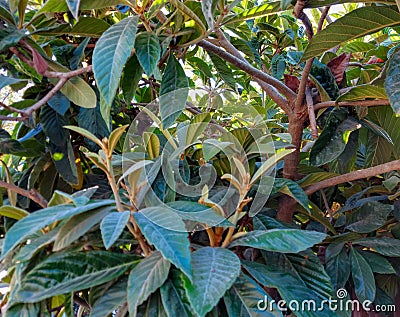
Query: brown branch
pixel 69 74
pixel 270 90
pixel 252 71
pixel 352 176
pixel 361 103
pixel 7 118
pixel 324 14
pixel 311 114
pixel 31 194
pixel 298 12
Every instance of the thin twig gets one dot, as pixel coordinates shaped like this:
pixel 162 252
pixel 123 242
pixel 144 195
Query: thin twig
pixel 352 176
pixel 328 208
pixel 7 118
pixel 252 71
pixel 362 103
pixel 31 194
pixel 324 15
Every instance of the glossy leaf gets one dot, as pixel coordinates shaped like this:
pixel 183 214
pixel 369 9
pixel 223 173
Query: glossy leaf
pixel 378 263
pixel 363 92
pixel 244 297
pixel 174 91
pixel 146 278
pixel 383 245
pixel 78 225
pixel 291 188
pixel 337 265
pixel 256 12
pixel 42 218
pixel 112 226
pixel 363 277
pixel 113 298
pixel 214 271
pixel 167 232
pixel 148 51
pixel 280 240
pixel 357 23
pixel 131 77
pixel 370 217
pixel 68 272
pixel 110 55
pixel 174 298
pixel 13 212
pixel 73 6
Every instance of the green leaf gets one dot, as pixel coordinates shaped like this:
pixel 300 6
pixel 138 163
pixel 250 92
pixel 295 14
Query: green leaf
pixel 174 91
pixel 269 163
pixel 5 13
pixel 255 12
pixel 223 70
pixel 189 210
pixel 13 212
pixel 212 147
pixel 392 78
pixel 131 77
pixel 61 6
pixel 279 274
pixel 60 144
pixel 146 278
pixel 112 226
pixel 363 277
pixel 42 218
pixel 292 189
pixel 244 297
pixel 357 23
pixel 29 250
pixel 73 6
pixel 113 298
pixel 110 55
pixel 91 120
pixel 332 141
pixel 196 127
pixel 78 225
pixel 115 136
pixel 163 228
pixel 86 134
pixel 148 51
pixel 363 92
pixel 174 298
pixel 59 103
pixel 69 272
pixel 23 310
pixel 383 245
pixel 86 26
pixel 214 271
pixel 337 265
pixel 378 263
pixel 153 307
pixel 5 81
pixel 10 37
pixel 280 240
pixel 152 143
pixel 370 217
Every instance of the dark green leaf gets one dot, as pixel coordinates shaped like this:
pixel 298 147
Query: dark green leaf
pixel 363 277
pixel 214 271
pixel 42 218
pixel 68 272
pixel 280 240
pixel 132 74
pixel 223 70
pixel 245 298
pixel 291 188
pixel 167 232
pixel 146 278
pixel 370 217
pixel 10 37
pixel 114 297
pixel 357 23
pixel 60 103
pixel 148 51
pixel 378 263
pixel 112 226
pixel 23 310
pixel 383 245
pixel 5 81
pixel 110 55
pixel 78 225
pixel 337 265
pixel 174 296
pixel 392 78
pixel 174 91
pixel 73 6
pixel 153 307
pixel 60 145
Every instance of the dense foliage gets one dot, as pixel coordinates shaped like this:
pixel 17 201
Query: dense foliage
pixel 193 158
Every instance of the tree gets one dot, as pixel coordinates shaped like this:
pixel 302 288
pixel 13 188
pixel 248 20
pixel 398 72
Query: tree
pixel 262 152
